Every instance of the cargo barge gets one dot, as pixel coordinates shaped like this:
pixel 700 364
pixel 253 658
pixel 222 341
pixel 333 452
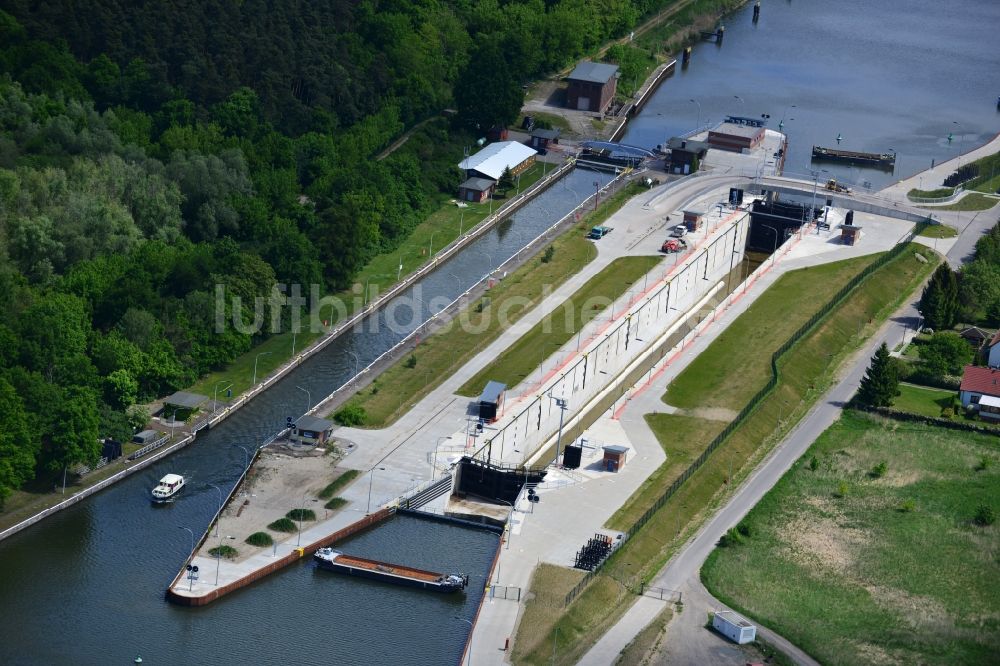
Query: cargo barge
pixel 879 160
pixel 334 560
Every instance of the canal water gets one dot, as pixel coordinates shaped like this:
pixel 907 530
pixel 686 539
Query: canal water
pixel 885 76
pixel 86 585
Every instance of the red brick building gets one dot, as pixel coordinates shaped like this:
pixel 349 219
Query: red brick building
pixel 592 86
pixel 730 136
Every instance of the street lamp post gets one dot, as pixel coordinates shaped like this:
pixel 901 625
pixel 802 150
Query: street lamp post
pixel 190 557
pixel 219 490
pixel 743 104
pixel 472 627
pixel 215 398
pixel 510 519
pixel 371 479
pixel 698 125
pixel 430 251
pixel 302 510
pixel 246 455
pixel 768 226
pixel 254 382
pixel 461 219
pixel 434 464
pixel 308 397
pixel 563 405
pixel 356 362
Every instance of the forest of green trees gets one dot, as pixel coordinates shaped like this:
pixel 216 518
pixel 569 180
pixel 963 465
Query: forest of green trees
pixel 150 151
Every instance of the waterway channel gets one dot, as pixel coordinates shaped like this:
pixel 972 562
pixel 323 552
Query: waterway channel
pixel 86 585
pixel 885 76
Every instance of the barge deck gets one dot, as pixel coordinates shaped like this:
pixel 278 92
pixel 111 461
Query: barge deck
pixel 334 560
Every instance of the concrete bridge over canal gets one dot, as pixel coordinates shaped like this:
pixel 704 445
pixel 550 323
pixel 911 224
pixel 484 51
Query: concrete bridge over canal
pixel 862 202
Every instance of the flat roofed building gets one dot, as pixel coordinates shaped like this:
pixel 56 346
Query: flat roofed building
pixel 491 401
pixel 737 138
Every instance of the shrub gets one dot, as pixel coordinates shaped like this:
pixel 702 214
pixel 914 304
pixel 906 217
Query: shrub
pixel 374 390
pixel 984 464
pixel 283 525
pixel 814 463
pixel 411 362
pixel 984 515
pixel 338 483
pixel 842 489
pixel 908 506
pixel 730 538
pixel 351 415
pixel 879 470
pixel 227 552
pixel 947 413
pixel 301 514
pixel 744 530
pixel 550 252
pixel 335 503
pixel 260 539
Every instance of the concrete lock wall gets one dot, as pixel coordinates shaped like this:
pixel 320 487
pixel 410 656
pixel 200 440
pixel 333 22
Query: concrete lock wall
pixel 669 299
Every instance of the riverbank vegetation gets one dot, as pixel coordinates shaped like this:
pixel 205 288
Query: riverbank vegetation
pixel 806 570
pixel 142 170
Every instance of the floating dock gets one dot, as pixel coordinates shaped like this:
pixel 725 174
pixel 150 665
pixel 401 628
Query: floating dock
pixel 334 560
pixel 879 160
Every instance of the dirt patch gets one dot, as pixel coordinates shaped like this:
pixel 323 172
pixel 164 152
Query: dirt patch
pixel 283 478
pixel 820 540
pixel 712 413
pixel 874 654
pixel 917 611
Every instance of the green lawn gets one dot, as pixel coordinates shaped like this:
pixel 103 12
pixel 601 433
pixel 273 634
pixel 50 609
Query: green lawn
pixel 710 381
pixel 441 354
pixel 807 369
pixel 971 201
pixel 893 571
pixel 524 356
pixel 939 193
pixel 938 231
pixel 924 401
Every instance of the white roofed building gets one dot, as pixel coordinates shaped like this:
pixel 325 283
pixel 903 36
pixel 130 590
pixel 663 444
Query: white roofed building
pixel 491 161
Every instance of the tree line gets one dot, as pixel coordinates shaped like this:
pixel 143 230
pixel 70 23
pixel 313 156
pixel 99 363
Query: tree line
pixel 150 151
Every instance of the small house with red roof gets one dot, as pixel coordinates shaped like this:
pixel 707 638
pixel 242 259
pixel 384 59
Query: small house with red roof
pixel 980 390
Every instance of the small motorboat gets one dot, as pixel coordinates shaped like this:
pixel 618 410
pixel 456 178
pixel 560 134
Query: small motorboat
pixel 168 486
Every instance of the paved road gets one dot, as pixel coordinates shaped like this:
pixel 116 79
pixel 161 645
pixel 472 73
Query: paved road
pixel 686 640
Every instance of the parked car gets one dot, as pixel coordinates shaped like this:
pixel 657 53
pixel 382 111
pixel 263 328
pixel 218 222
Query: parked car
pixel 680 231
pixel 673 245
pixel 597 233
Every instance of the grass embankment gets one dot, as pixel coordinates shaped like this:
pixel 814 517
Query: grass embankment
pixel 806 372
pixel 587 303
pixel 938 231
pixel 378 275
pixel 896 570
pixel 440 355
pixel 939 193
pixel 641 649
pixel 338 484
pixel 971 201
